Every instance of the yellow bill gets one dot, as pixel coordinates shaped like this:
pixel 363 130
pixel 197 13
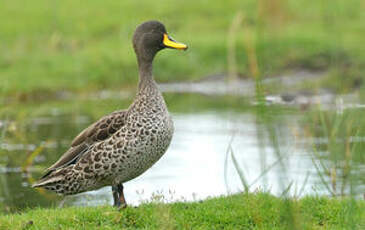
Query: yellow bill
pixel 171 43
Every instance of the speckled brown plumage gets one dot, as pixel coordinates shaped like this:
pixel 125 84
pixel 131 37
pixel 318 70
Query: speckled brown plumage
pixel 124 144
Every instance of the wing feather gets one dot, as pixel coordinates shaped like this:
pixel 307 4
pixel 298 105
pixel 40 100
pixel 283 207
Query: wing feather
pixel 98 131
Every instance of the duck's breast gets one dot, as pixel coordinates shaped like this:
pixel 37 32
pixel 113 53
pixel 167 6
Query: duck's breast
pixel 147 136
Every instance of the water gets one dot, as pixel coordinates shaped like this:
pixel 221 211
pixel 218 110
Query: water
pixel 196 166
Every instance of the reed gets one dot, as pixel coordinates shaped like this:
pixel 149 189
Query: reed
pixel 336 168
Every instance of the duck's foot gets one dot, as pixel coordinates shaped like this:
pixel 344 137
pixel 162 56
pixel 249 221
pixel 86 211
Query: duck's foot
pixel 121 207
pixel 118 196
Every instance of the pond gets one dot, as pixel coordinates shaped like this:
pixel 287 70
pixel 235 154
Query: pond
pixel 220 146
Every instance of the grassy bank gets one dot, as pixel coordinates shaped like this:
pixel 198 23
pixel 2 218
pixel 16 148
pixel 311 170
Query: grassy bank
pixel 48 46
pixel 242 211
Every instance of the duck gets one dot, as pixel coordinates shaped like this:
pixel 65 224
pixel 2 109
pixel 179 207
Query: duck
pixel 124 144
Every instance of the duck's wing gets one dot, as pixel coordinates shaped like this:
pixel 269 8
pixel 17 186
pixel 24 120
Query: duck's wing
pixel 99 131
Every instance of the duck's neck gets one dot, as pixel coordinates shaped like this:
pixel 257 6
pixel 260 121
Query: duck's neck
pixel 148 91
pixel 146 79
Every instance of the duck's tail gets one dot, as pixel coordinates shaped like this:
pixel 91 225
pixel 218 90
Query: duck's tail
pixel 48 181
pixel 51 178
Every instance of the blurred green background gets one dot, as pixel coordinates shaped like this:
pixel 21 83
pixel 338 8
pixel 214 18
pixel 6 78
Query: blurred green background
pixel 74 45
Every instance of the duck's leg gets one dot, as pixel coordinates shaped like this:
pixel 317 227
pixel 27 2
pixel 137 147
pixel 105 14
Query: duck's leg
pixel 122 202
pixel 118 195
pixel 115 196
pixel 63 201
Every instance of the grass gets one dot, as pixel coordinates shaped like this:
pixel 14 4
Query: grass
pixel 49 46
pixel 241 211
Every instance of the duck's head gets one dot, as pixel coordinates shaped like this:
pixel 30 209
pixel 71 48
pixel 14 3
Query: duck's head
pixel 151 37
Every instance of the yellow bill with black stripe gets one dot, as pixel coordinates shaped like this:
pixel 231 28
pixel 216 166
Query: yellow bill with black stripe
pixel 171 43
